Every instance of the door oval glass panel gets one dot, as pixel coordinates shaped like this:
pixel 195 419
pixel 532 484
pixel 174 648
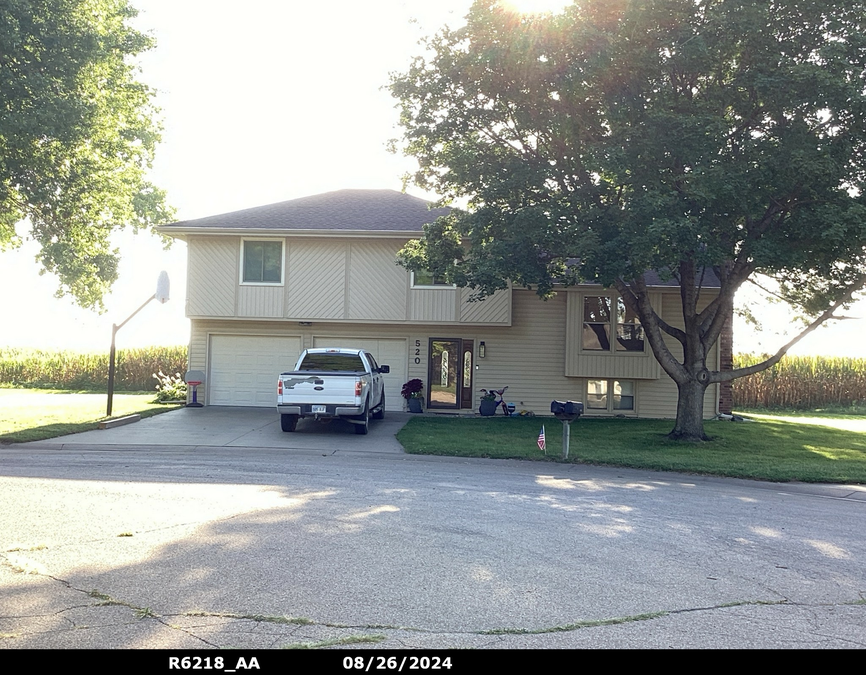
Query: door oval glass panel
pixel 445 364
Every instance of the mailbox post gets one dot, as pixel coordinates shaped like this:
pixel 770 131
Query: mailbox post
pixel 566 412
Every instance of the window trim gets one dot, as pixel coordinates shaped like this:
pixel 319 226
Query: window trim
pixel 271 284
pixel 443 285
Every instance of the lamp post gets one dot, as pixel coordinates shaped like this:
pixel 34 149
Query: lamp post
pixel 162 287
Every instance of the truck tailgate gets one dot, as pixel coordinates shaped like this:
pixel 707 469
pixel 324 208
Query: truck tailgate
pixel 330 389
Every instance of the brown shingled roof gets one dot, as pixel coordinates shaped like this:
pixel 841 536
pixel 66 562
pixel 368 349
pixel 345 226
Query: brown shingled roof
pixel 364 210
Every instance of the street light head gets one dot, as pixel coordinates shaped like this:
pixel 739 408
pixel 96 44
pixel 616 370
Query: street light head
pixel 162 286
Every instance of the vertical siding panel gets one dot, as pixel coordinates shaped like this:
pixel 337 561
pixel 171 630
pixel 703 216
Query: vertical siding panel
pixel 376 283
pixel 433 304
pixel 494 309
pixel 260 301
pixel 317 280
pixel 212 278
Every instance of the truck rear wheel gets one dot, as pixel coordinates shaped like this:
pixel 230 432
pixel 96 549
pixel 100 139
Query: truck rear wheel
pixel 364 427
pixel 288 422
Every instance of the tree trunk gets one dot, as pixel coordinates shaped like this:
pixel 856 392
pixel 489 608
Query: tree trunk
pixel 690 412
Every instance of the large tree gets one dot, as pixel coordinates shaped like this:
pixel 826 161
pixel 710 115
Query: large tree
pixel 622 136
pixel 77 135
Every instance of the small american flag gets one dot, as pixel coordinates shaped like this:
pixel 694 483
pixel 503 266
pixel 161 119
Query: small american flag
pixel 542 445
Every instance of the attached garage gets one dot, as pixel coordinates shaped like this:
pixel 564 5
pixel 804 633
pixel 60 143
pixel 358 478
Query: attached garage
pixel 391 352
pixel 244 368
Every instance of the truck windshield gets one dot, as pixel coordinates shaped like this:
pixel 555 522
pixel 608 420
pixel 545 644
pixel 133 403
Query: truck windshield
pixel 333 362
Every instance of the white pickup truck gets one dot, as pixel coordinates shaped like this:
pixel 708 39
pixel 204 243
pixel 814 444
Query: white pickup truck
pixel 329 383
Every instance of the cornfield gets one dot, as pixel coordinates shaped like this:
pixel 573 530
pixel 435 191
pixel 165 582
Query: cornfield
pixel 801 382
pixel 72 370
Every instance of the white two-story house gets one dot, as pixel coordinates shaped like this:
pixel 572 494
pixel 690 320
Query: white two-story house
pixel 267 282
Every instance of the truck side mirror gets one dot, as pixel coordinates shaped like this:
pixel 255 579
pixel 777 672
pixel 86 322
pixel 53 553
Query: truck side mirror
pixel 385 369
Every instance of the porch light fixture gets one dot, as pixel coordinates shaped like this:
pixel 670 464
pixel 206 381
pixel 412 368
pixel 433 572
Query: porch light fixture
pixel 481 349
pixel 162 287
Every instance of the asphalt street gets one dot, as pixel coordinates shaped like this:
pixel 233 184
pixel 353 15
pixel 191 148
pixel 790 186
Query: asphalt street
pixel 332 539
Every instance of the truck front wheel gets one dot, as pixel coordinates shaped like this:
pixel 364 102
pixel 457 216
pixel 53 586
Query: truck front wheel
pixel 288 422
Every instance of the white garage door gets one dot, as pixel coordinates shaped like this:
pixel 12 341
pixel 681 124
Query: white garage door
pixel 244 368
pixel 391 352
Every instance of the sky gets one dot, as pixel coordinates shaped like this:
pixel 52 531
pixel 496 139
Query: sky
pixel 260 103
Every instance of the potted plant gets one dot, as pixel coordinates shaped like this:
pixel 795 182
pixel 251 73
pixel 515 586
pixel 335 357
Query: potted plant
pixel 488 404
pixel 413 393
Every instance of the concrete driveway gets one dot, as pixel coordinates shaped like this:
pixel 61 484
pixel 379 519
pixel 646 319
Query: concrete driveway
pixel 242 427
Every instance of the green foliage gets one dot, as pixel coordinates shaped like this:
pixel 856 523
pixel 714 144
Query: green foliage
pixel 88 371
pixel 34 415
pixel 170 388
pixel 636 135
pixel 769 449
pixel 619 137
pixel 77 136
pixel 802 383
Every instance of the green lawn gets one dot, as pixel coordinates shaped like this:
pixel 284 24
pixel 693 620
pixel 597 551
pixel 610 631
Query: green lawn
pixel 37 414
pixel 771 448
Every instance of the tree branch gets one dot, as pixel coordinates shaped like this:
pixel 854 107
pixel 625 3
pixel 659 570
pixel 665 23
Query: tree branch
pixel 639 303
pixel 728 375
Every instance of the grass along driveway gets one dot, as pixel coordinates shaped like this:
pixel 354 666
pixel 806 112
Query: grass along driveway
pixel 769 448
pixel 35 414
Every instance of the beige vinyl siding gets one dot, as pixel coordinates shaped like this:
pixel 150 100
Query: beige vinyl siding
pixel 429 304
pixel 494 309
pixel 316 279
pixel 529 356
pixel 212 276
pixel 601 365
pixel 329 279
pixel 261 301
pixel 377 285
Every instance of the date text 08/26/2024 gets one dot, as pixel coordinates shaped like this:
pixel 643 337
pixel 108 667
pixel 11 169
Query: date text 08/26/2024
pixel 349 663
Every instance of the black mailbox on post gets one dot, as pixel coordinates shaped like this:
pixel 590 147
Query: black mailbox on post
pixel 566 410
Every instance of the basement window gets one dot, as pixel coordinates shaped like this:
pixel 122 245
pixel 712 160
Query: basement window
pixel 610 395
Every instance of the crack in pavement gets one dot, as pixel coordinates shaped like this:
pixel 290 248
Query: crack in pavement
pixel 298 623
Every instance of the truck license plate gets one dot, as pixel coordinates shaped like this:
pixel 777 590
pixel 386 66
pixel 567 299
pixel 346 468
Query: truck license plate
pixel 320 409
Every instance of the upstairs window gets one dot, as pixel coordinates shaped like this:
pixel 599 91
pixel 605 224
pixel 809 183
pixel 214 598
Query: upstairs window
pixel 596 323
pixel 423 278
pixel 262 262
pixel 599 324
pixel 629 332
